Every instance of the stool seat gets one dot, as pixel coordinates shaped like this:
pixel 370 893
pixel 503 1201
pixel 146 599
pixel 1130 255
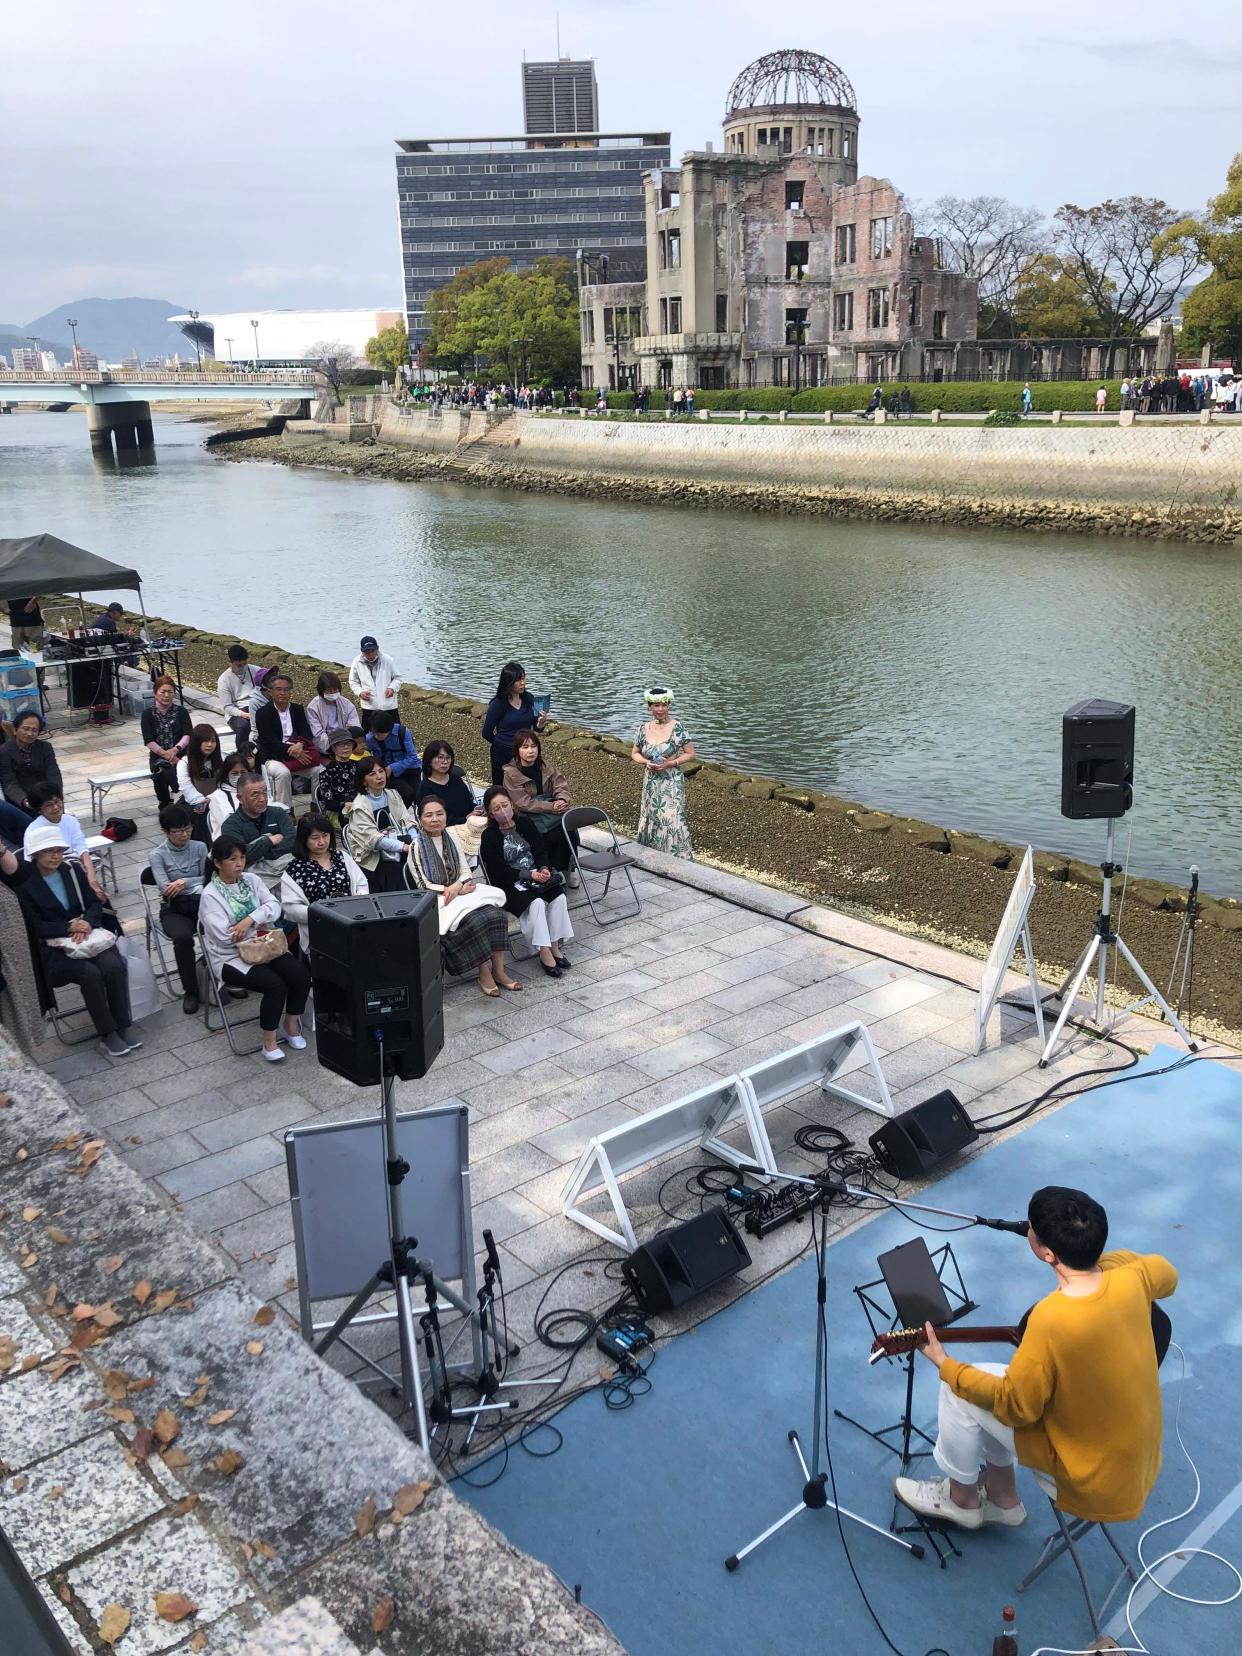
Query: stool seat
pixel 1064 1540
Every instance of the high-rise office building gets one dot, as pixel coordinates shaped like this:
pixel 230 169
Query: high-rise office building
pixel 539 194
pixel 560 96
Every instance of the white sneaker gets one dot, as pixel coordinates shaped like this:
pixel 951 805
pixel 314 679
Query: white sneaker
pixel 273 1055
pixel 573 879
pixel 297 1042
pixel 929 1497
pixel 1010 1517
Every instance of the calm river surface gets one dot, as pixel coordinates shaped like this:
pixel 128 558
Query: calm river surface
pixel 923 670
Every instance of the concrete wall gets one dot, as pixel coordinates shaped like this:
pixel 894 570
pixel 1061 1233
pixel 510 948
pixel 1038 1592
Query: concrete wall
pixel 1163 466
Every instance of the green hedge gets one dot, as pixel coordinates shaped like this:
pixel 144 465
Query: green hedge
pixel 772 398
pixel 953 396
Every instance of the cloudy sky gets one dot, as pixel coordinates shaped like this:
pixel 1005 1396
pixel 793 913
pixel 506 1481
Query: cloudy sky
pixel 241 154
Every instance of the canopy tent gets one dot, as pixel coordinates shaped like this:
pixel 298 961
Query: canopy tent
pixel 35 564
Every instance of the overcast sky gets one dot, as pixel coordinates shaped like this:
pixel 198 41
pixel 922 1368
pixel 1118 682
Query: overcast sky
pixel 241 154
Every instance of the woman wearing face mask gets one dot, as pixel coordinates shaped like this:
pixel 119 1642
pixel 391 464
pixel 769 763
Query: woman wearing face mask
pixel 378 827
pixel 512 856
pixel 329 709
pixel 222 801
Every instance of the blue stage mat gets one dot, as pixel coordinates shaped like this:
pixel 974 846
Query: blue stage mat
pixel 642 1507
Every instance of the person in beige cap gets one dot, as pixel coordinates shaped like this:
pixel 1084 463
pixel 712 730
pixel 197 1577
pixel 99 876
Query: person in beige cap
pixel 62 909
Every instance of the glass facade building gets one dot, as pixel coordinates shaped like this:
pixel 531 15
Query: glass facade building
pixel 522 198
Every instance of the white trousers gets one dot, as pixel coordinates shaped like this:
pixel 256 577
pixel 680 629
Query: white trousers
pixel 545 923
pixel 279 780
pixel 967 1434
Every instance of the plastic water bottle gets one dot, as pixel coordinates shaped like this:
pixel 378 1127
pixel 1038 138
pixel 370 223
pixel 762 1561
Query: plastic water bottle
pixel 1006 1641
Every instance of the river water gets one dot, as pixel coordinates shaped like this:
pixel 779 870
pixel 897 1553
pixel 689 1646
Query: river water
pixel 923 670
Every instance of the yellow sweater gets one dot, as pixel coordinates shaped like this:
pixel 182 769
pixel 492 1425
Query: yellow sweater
pixel 1082 1392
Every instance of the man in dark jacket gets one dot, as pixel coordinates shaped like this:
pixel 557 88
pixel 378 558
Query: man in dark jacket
pixel 283 734
pixel 26 760
pixel 264 831
pixel 393 746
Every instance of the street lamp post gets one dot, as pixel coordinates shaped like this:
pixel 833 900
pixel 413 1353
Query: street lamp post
pixel 229 343
pixel 72 323
pixel 254 323
pixel 198 350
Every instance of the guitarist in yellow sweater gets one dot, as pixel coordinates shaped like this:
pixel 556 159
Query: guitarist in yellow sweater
pixel 1080 1402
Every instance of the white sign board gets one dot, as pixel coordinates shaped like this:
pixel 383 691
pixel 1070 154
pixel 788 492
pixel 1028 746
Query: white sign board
pixel 1013 929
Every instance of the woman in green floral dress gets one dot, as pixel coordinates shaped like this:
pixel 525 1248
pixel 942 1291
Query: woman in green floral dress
pixel 663 747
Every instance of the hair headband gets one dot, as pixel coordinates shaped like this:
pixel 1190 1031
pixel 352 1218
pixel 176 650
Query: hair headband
pixel 656 696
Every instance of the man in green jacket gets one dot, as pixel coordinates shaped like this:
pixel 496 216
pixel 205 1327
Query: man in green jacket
pixel 265 831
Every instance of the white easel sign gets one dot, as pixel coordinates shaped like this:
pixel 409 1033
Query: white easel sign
pixel 1014 929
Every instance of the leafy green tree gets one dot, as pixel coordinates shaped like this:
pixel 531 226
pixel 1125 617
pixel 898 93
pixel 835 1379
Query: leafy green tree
pixel 451 342
pixel 389 350
pixel 1212 312
pixel 1129 259
pixel 1048 303
pixel 524 324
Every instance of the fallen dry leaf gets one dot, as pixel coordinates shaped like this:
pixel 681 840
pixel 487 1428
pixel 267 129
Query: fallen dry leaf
pixel 264 1548
pixel 108 1316
pixel 167 1426
pixel 55 1234
pixel 364 1523
pixel 199 1641
pixel 114 1623
pixel 186 1504
pixel 18 1484
pixel 142 1385
pixel 227 1462
pixel 409 1498
pixel 91 1153
pixel 382 1615
pixel 116 1384
pixel 174 1607
pixel 220 1416
pixel 30 1214
pixel 143 1442
pixel 59 1369
pixel 86 1334
pixel 199 1393
pixel 31 1362
pixel 125 1416
pixel 83 1312
pixel 255 1347
pixel 22 1155
pixel 164 1299
pixel 142 1291
pixel 29 1260
pixel 264 1315
pixel 112 1264
pixel 71 1142
pixel 175 1458
pixel 55 1492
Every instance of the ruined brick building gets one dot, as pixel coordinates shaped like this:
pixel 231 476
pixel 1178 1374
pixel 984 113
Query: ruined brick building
pixel 775 262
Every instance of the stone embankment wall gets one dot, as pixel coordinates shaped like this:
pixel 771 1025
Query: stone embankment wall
pixel 1184 481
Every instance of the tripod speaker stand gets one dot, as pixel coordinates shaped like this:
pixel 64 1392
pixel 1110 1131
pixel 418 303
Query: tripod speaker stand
pixel 1096 953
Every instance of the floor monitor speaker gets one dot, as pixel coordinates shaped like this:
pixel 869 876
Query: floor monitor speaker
pixel 911 1143
pixel 684 1261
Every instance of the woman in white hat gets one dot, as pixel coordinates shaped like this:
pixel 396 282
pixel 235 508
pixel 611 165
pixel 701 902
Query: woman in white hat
pixel 662 746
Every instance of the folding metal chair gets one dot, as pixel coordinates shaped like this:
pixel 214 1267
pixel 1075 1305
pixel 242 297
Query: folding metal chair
pixel 612 860
pixel 212 993
pixel 60 1022
pixel 155 934
pixel 1070 1531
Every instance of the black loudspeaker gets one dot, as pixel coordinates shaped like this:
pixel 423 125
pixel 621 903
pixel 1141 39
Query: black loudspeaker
pixel 375 962
pixel 923 1136
pixel 1097 759
pixel 684 1261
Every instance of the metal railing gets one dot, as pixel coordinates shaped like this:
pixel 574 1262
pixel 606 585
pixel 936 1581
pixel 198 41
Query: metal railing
pixel 156 376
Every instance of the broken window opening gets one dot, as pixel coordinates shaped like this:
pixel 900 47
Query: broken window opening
pixel 674 315
pixel 797 257
pixel 847 243
pixel 794 188
pixel 881 238
pixel 939 318
pixel 842 312
pixel 877 307
pixel 722 313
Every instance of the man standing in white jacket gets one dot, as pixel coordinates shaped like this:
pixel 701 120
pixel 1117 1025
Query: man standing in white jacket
pixel 374 681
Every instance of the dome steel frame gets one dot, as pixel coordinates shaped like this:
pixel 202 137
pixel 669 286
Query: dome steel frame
pixel 791 79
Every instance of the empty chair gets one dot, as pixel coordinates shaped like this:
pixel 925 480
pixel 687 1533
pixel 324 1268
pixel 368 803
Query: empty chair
pixel 611 860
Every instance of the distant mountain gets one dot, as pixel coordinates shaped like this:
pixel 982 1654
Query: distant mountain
pixel 9 337
pixel 115 328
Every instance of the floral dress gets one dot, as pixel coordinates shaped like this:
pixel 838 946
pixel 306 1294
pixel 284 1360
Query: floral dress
pixel 662 814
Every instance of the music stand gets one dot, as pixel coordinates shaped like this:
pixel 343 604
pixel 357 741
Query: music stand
pixel 921 1291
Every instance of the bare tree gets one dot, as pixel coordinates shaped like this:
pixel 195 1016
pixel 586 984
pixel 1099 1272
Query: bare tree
pixel 1122 258
pixel 331 356
pixel 990 239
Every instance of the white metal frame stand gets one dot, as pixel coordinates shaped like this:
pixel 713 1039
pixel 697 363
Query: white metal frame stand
pixel 1104 939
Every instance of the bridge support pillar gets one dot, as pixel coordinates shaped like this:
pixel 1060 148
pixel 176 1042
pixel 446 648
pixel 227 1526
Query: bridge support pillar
pixel 126 424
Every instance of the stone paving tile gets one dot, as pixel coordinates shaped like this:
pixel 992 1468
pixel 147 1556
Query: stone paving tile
pixel 271 1274
pixel 507 1170
pixel 264 1232
pixel 911 1025
pixel 272 1116
pixel 123 1073
pixel 502 1092
pixel 516 1126
pixel 762 934
pixel 578 1096
pixel 608 991
pixel 820 997
pixel 989 1069
pixel 101 1496
pixel 766 987
pixel 674 1056
pixel 744 1027
pixel 530 1013
pixel 269 1188
pixel 552 1243
pixel 174 1150
pixel 953 1002
pixel 74 1635
pixel 588 1026
pixel 122 1106
pixel 566 1142
pixel 170 1553
pixel 875 973
pixel 893 997
pixel 201 1107
pixel 40 1416
pixel 680 992
pixel 682 963
pixel 740 968
pixel 228 1204
pixel 221 1168
pixel 916 1062
pixel 506 1215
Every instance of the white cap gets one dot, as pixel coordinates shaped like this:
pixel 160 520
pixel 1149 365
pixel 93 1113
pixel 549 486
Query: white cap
pixel 44 837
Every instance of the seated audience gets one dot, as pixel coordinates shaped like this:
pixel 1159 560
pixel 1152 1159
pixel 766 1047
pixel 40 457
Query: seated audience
pixel 25 760
pixel 179 865
pixel 283 733
pixel 391 743
pixel 264 831
pixel 539 791
pixel 444 779
pixel 222 801
pixel 237 906
pixel 320 869
pixel 378 826
pixel 62 909
pixel 49 803
pixel 511 854
pixel 200 770
pixel 234 688
pixel 166 732
pixel 258 696
pixel 329 710
pixel 474 929
pixel 338 780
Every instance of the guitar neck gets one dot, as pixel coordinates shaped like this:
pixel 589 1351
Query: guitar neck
pixel 978 1334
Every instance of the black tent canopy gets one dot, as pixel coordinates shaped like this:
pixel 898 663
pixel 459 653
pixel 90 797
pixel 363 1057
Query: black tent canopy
pixel 34 564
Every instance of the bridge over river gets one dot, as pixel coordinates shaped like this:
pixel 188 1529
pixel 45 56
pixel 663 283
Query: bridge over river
pixel 118 402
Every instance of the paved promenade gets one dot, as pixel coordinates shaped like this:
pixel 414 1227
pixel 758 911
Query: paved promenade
pixel 701 983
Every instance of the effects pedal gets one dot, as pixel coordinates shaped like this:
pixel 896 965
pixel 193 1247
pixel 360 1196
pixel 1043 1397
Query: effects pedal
pixel 775 1208
pixel 624 1343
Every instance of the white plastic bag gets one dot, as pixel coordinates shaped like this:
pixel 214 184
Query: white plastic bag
pixel 144 996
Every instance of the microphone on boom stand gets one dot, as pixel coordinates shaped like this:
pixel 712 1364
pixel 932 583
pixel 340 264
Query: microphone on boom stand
pixel 834 1187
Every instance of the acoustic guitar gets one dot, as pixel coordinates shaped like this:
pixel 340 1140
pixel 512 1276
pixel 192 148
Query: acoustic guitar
pixel 901 1340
